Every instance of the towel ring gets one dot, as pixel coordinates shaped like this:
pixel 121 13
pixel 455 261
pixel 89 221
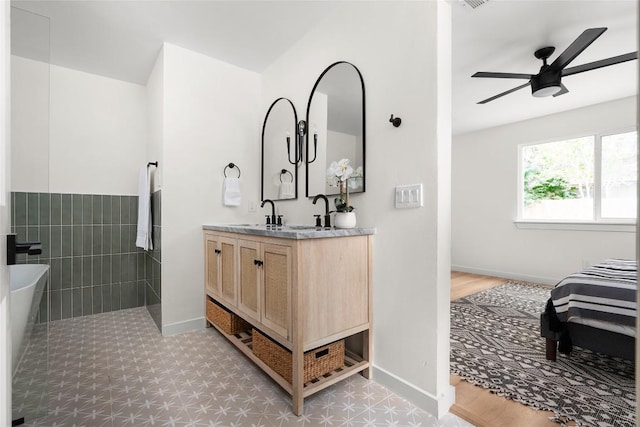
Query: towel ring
pixel 231 165
pixel 284 171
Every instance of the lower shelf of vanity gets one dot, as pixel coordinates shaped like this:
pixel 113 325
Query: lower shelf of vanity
pixel 353 364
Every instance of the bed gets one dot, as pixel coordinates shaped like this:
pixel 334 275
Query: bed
pixel 593 309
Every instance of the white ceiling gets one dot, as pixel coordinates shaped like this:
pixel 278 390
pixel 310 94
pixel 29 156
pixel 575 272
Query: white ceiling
pixel 502 36
pixel 120 39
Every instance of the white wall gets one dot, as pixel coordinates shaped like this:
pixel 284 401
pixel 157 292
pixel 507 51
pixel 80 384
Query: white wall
pixel 155 116
pixel 394 44
pixel 211 118
pixel 30 125
pixel 484 192
pixel 97 133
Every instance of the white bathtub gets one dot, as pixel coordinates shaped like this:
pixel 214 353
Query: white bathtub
pixel 27 286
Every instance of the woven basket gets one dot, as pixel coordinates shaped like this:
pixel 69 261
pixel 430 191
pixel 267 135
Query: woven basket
pixel 225 320
pixel 317 362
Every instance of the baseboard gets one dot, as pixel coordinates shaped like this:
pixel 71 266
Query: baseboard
pixel 506 275
pixel 184 326
pixel 438 406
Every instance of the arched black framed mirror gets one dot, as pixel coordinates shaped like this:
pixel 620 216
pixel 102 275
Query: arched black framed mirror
pixel 281 152
pixel 336 129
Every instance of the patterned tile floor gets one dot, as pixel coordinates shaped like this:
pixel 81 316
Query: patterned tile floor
pixel 115 369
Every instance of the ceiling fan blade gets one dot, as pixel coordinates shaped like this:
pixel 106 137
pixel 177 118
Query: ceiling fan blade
pixel 562 91
pixel 504 93
pixel 581 43
pixel 502 75
pixel 599 64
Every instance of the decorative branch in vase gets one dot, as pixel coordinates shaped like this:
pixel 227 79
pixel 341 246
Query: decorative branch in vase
pixel 341 174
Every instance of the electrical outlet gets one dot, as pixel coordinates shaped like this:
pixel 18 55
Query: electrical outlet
pixel 252 206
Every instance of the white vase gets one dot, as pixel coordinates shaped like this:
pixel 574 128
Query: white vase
pixel 345 220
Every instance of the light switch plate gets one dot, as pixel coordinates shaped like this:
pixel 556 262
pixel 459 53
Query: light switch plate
pixel 409 196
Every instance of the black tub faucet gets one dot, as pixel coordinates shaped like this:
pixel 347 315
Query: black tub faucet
pixel 273 210
pixel 327 217
pixel 13 248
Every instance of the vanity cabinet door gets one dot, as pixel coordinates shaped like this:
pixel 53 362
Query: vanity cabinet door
pixel 264 284
pixel 220 265
pixel 212 265
pixel 227 267
pixel 249 278
pixel 275 310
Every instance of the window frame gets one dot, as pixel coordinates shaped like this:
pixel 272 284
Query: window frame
pixel 598 223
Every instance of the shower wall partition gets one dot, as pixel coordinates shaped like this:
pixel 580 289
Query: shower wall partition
pixel 30 111
pixel 89 242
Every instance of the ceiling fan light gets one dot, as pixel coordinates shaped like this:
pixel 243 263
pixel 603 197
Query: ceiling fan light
pixel 546 83
pixel 547 91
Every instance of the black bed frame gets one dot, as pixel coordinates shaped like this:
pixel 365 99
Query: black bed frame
pixel 597 340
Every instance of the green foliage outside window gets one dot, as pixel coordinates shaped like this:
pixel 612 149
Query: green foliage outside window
pixel 555 188
pixel 558 170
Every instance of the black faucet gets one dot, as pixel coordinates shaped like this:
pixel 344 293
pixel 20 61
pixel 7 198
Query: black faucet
pixel 273 210
pixel 13 248
pixel 327 217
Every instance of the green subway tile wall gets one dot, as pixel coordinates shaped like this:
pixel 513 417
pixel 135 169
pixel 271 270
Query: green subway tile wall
pixel 88 240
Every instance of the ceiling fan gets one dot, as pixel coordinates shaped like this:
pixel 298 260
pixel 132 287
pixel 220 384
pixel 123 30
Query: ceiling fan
pixel 548 81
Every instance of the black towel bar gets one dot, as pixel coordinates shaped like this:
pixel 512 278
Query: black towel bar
pixel 284 171
pixel 231 165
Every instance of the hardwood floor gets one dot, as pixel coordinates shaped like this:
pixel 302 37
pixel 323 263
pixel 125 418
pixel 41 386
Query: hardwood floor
pixel 478 405
pixel 464 284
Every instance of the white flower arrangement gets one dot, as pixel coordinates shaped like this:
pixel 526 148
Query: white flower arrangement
pixel 341 174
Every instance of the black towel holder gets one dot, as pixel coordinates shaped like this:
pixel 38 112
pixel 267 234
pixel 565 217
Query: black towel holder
pixel 152 164
pixel 284 171
pixel 231 165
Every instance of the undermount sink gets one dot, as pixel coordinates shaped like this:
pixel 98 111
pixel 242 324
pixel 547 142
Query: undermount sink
pixel 279 227
pixel 300 227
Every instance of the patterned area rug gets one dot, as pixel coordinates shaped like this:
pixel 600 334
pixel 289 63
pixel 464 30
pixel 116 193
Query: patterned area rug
pixel 496 343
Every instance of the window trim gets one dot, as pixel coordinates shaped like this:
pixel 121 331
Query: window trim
pixel 597 223
pixel 624 227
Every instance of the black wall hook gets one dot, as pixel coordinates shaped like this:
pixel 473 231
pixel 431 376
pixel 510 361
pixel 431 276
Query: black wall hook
pixel 395 121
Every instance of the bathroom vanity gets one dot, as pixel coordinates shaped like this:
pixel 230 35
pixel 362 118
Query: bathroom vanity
pixel 300 288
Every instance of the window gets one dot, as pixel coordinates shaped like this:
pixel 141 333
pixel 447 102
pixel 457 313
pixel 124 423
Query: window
pixel 619 176
pixel 586 179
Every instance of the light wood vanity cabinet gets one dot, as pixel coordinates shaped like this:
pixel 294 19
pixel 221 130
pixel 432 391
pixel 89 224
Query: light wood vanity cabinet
pixel 302 290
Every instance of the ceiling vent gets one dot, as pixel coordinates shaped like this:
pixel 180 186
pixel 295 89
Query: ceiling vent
pixel 473 3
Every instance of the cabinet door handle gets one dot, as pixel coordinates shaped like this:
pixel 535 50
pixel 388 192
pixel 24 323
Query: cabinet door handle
pixel 218 251
pixel 257 262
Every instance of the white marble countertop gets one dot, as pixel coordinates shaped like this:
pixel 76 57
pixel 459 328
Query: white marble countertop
pixel 289 231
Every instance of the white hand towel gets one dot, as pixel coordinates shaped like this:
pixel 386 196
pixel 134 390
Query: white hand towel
pixel 287 191
pixel 231 191
pixel 143 236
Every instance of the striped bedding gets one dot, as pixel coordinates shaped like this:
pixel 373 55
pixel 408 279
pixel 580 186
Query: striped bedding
pixel 603 296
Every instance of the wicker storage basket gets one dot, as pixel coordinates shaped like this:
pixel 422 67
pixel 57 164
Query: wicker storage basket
pixel 225 320
pixel 316 362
